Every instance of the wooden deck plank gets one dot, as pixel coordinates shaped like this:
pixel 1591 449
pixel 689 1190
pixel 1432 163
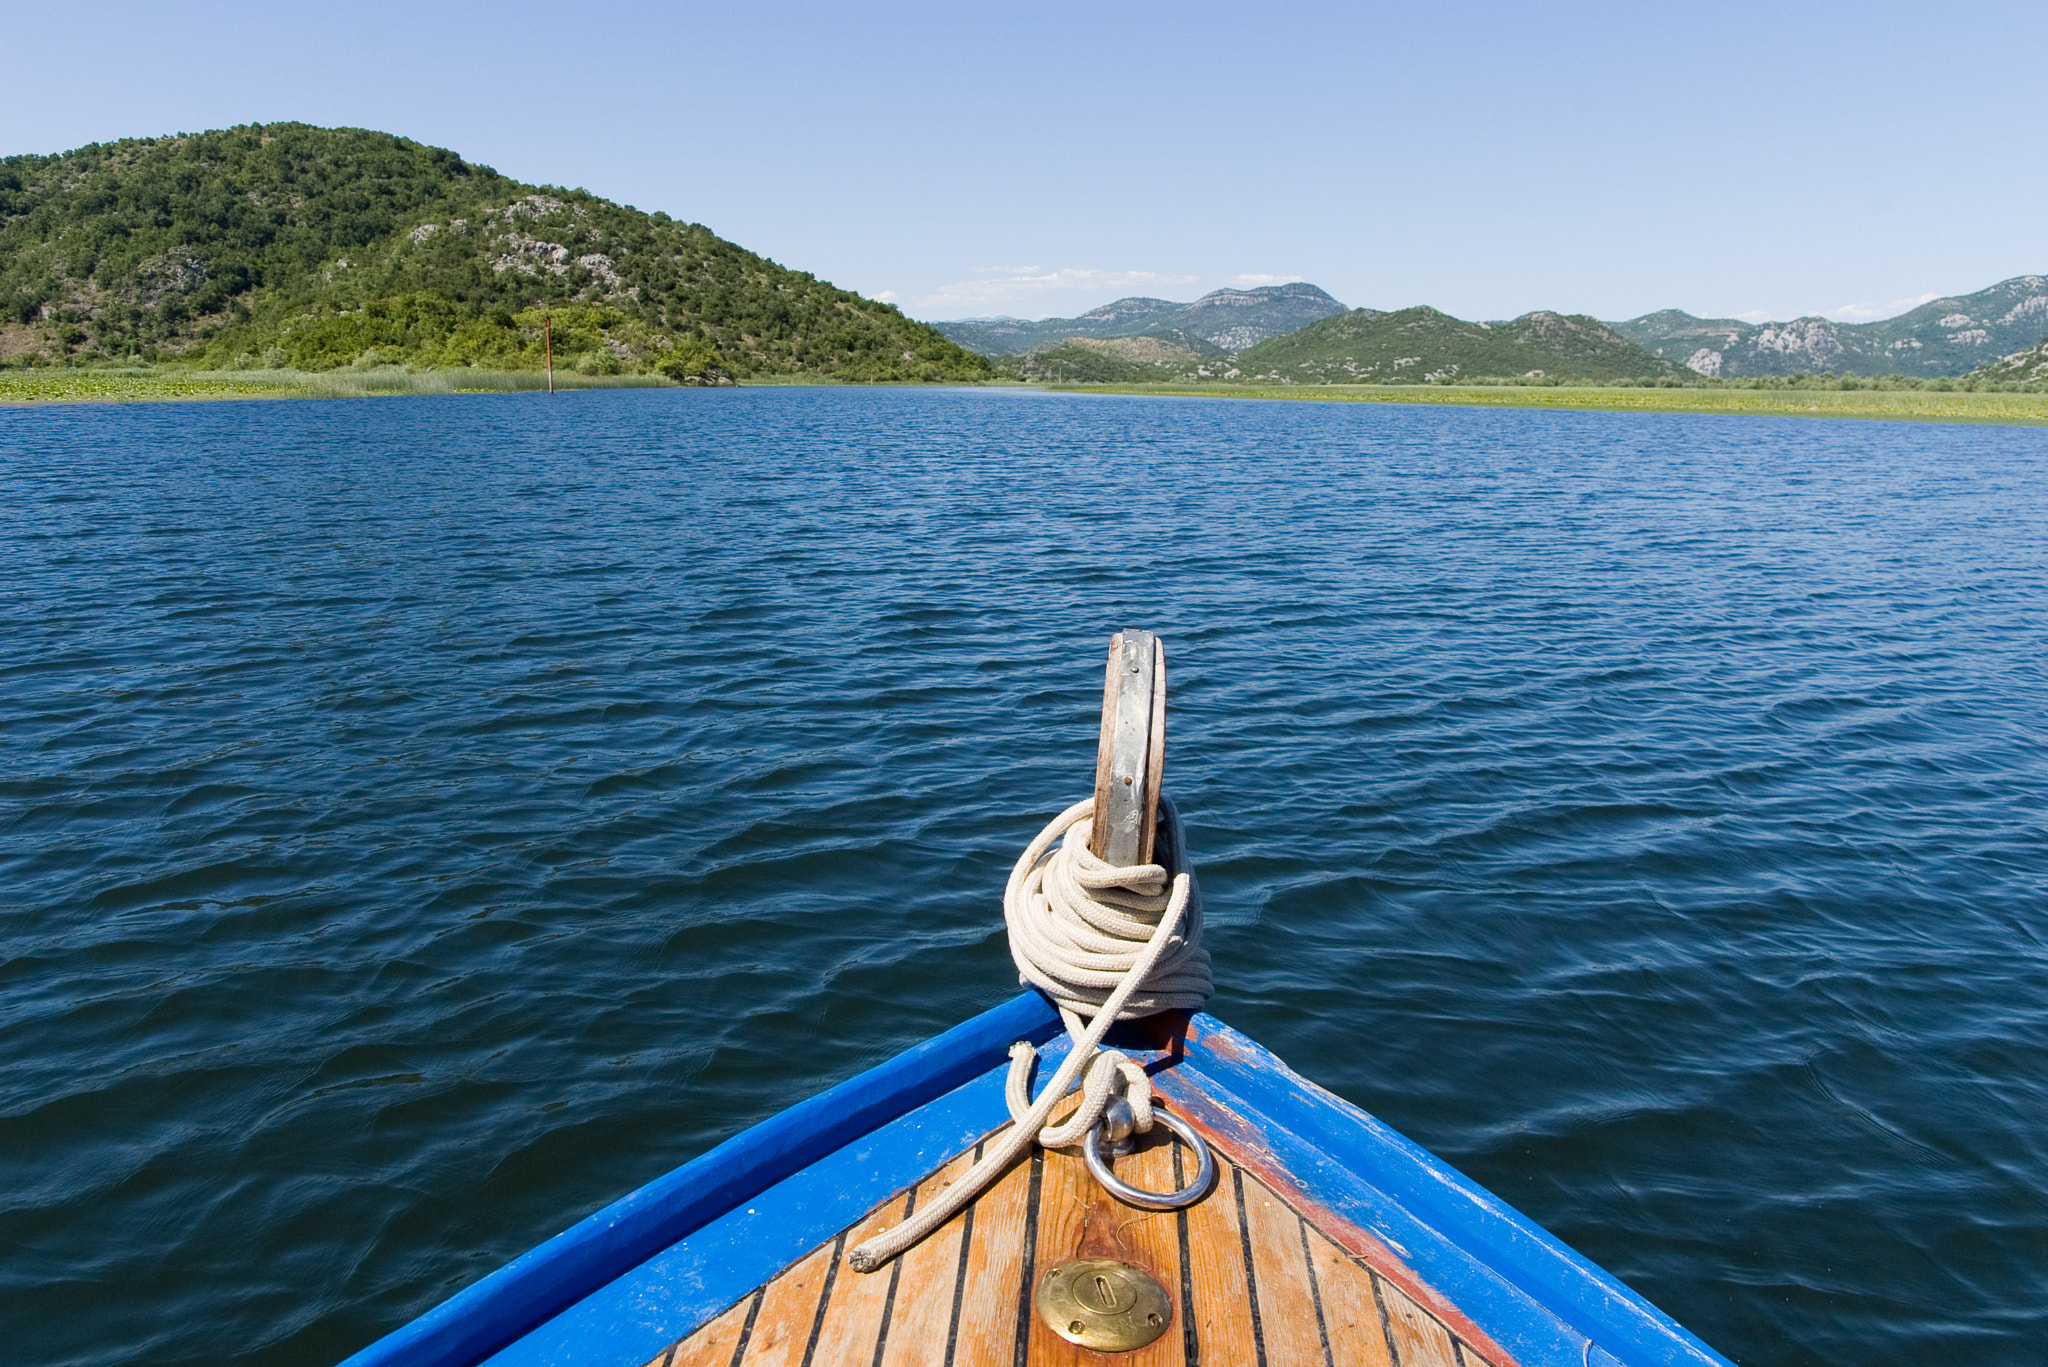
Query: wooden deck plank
pixel 1150 1239
pixel 1252 1283
pixel 850 1327
pixel 1222 1304
pixel 929 1282
pixel 986 1332
pixel 1358 1337
pixel 1287 1320
pixel 782 1331
pixel 714 1344
pixel 1064 1212
pixel 1419 1340
pixel 1078 1219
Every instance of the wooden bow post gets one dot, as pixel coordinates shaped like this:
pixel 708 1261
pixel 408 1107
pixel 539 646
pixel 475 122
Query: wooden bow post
pixel 1132 754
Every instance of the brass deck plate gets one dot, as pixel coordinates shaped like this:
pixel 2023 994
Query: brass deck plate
pixel 1109 1306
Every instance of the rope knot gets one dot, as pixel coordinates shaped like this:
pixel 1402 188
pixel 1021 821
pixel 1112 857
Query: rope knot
pixel 1079 926
pixel 1103 942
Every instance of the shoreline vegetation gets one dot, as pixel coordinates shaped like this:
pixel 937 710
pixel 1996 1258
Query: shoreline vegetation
pixel 137 385
pixel 1949 402
pixel 1925 401
pixel 143 384
pixel 285 247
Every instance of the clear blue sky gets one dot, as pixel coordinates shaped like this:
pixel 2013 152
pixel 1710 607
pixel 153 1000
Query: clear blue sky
pixel 960 159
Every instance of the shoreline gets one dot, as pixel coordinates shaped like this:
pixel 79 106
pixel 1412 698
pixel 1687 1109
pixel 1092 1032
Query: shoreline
pixel 54 385
pixel 2012 409
pixel 33 388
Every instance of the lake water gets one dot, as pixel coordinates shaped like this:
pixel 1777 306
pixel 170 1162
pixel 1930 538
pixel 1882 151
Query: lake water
pixel 423 820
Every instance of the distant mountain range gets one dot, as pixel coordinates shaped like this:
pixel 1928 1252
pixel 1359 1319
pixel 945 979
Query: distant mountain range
pixel 1217 323
pixel 1299 334
pixel 1367 346
pixel 1947 337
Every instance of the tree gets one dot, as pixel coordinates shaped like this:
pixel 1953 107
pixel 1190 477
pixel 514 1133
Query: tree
pixel 695 361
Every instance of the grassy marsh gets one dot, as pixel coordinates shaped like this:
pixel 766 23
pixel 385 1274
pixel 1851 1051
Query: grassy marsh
pixel 63 385
pixel 1912 405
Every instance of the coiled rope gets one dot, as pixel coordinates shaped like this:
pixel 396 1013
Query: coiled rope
pixel 1115 943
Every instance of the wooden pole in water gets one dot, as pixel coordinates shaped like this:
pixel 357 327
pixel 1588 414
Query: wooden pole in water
pixel 1131 756
pixel 547 332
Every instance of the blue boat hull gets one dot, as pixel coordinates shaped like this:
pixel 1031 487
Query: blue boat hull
pixel 624 1284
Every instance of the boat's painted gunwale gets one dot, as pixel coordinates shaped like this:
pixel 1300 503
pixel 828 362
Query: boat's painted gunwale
pixel 540 1284
pixel 1496 1270
pixel 645 1308
pixel 1465 1242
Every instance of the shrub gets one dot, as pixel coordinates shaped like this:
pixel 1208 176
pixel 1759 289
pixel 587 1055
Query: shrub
pixel 695 361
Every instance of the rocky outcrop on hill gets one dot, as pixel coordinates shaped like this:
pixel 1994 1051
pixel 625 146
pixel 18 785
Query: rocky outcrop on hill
pixel 1227 320
pixel 1949 336
pixel 2028 367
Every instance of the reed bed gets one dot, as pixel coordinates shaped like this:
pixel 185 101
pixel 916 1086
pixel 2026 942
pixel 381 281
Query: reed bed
pixel 54 385
pixel 1912 405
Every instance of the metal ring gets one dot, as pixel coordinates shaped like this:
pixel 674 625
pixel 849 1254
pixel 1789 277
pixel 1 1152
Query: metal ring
pixel 1205 1168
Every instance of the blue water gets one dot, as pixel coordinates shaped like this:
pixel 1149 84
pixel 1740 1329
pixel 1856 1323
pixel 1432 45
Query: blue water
pixel 423 820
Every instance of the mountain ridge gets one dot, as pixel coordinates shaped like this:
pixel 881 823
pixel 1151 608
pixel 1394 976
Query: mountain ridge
pixel 1428 346
pixel 1226 319
pixel 1950 336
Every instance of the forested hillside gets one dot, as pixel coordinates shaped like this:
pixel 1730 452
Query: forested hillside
pixel 1425 346
pixel 289 245
pixel 1119 360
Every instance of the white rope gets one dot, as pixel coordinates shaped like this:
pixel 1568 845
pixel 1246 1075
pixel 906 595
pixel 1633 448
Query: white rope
pixel 1113 943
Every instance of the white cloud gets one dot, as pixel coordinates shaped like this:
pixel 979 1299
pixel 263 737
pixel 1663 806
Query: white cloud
pixel 1867 313
pixel 1004 285
pixel 1844 312
pixel 886 297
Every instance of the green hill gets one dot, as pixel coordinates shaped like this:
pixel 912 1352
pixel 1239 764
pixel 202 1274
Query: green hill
pixel 1119 360
pixel 1424 346
pixel 289 245
pixel 2027 367
pixel 1949 336
pixel 1225 320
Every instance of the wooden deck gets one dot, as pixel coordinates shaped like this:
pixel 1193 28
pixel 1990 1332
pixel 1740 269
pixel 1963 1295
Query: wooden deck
pixel 1252 1278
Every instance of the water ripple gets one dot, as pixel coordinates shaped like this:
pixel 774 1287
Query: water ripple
pixel 422 821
